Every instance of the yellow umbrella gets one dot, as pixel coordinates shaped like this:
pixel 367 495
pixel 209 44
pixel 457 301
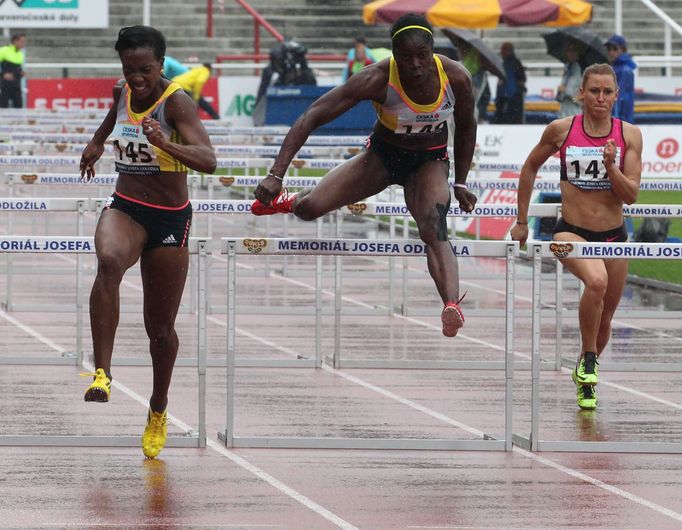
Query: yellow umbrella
pixel 482 14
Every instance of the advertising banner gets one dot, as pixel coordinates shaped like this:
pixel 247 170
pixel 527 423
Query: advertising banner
pixel 89 93
pixel 54 13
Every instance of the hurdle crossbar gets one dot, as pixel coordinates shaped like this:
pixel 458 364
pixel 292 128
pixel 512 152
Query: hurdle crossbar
pixel 357 247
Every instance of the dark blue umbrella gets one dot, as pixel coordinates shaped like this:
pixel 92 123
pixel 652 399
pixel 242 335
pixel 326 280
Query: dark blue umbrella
pixel 590 48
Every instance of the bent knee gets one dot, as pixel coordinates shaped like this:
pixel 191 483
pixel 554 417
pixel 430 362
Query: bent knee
pixel 597 283
pixel 433 228
pixel 306 210
pixel 112 264
pixel 161 334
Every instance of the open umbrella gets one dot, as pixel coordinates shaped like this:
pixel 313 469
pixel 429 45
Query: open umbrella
pixel 590 47
pixel 482 14
pixel 489 59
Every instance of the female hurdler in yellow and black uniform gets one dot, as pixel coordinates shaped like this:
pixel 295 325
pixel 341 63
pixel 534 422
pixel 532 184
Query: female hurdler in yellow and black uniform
pixel 414 92
pixel 156 134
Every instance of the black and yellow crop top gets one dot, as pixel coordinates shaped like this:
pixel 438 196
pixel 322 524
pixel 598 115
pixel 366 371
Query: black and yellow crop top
pixel 403 116
pixel 133 154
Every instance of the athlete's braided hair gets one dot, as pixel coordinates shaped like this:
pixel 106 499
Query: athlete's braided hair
pixel 134 37
pixel 414 26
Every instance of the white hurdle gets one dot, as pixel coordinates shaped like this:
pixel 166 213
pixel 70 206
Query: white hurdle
pixel 86 245
pixel 563 249
pixel 233 247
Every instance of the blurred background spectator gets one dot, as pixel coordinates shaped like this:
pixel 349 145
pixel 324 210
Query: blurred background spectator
pixel 358 57
pixel 11 69
pixel 624 67
pixel 192 81
pixel 510 91
pixel 570 83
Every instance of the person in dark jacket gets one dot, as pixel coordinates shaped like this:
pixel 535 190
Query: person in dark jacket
pixel 624 66
pixel 11 72
pixel 510 92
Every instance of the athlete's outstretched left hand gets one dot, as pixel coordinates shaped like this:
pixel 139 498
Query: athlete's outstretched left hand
pixel 467 200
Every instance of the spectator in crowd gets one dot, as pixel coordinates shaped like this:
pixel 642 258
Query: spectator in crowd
pixel 510 92
pixel 471 60
pixel 11 72
pixel 173 68
pixel 192 82
pixel 624 66
pixel 570 83
pixel 288 66
pixel 358 57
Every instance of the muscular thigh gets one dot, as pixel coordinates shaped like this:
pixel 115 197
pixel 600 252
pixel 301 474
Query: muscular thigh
pixel 119 237
pixel 427 188
pixel 583 269
pixel 356 179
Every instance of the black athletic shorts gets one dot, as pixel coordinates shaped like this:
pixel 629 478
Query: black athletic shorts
pixel 401 163
pixel 166 227
pixel 615 235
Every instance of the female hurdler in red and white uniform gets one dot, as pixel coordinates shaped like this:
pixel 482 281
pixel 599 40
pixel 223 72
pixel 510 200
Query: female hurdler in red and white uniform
pixel 601 164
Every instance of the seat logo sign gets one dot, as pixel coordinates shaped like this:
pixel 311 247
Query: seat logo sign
pixel 44 4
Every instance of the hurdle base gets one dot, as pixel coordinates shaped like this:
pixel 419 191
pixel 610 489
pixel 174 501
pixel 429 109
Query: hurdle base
pixel 415 364
pixel 487 443
pixel 186 441
pixel 587 446
pixel 619 366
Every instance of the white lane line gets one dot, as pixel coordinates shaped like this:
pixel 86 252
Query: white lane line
pixel 366 384
pixel 450 421
pixel 33 333
pixel 266 477
pixel 277 484
pixel 596 482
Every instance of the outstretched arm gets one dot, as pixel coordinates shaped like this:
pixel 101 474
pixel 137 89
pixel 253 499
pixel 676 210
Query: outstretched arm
pixel 95 148
pixel 368 84
pixel 551 140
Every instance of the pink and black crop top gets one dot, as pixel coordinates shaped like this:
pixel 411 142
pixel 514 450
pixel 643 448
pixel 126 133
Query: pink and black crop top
pixel 582 155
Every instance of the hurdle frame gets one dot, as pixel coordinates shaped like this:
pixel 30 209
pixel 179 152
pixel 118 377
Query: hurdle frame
pixel 565 249
pixel 196 439
pixel 269 246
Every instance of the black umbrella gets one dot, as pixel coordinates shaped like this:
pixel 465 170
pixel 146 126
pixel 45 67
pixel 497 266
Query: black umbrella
pixel 590 48
pixel 489 59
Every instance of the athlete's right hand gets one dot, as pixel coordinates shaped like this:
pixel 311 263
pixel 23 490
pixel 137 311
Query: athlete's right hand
pixel 91 154
pixel 519 233
pixel 268 189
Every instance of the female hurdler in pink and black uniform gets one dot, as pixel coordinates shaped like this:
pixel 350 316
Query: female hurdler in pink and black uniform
pixel 415 93
pixel 601 164
pixel 156 134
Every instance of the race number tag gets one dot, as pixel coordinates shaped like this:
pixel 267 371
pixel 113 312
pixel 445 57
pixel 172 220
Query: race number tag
pixel 585 167
pixel 132 152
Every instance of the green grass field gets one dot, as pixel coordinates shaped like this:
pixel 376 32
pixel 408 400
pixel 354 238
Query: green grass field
pixel 663 270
